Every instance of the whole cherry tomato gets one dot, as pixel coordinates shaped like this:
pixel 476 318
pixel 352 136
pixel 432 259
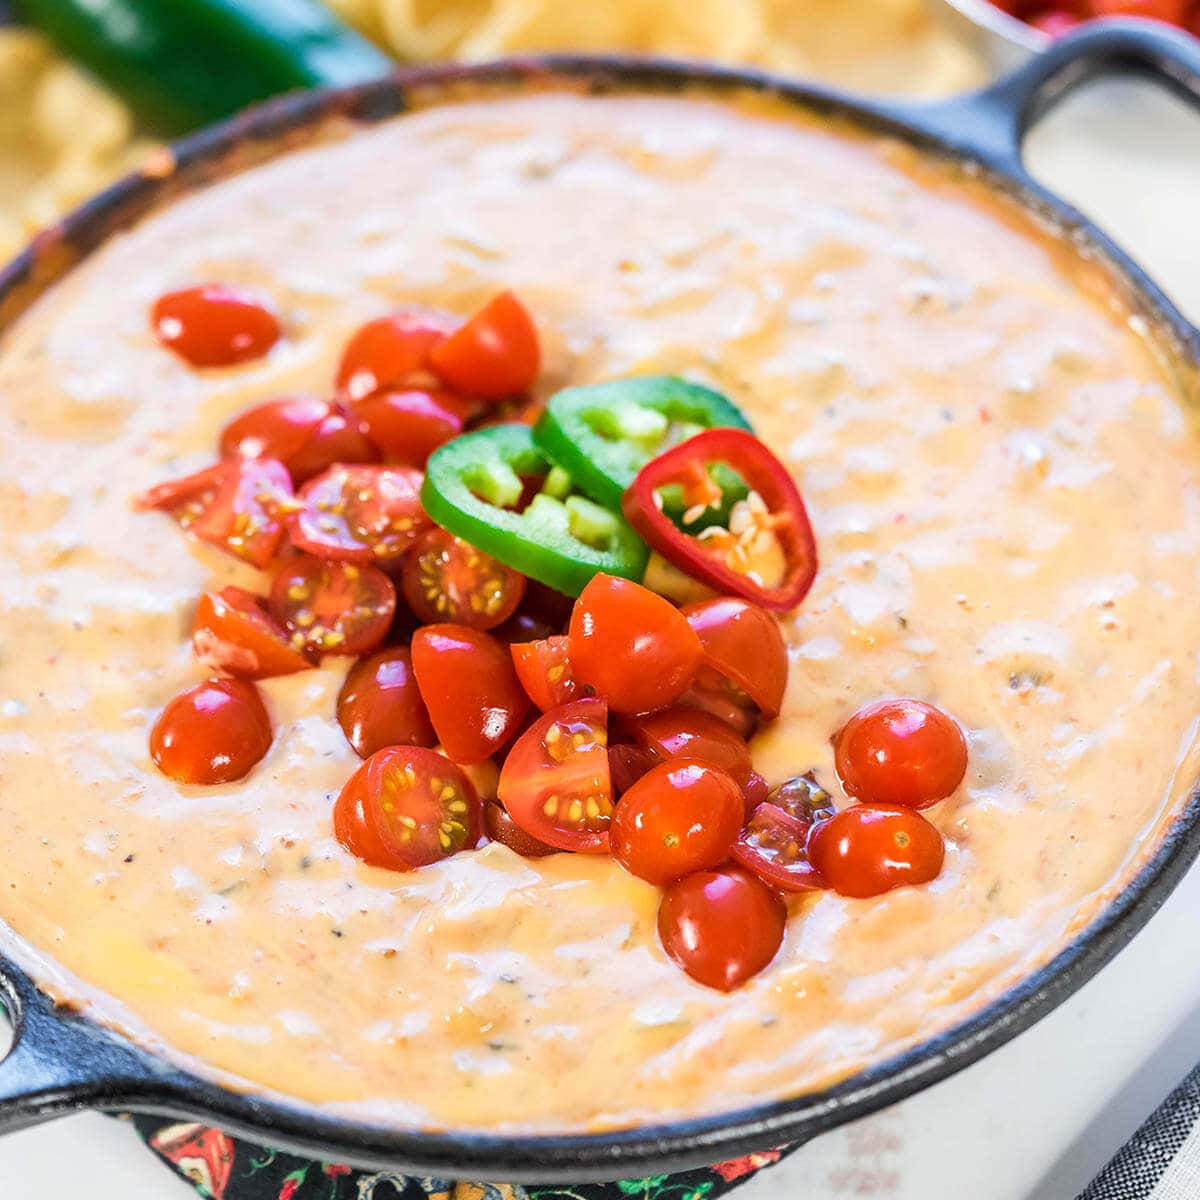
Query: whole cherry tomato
pixel 868 849
pixel 743 643
pixel 332 607
pixel 500 827
pixel 391 351
pixel 308 436
pixel 214 326
pixel 472 693
pixel 544 669
pixel 214 732
pixel 447 579
pixel 379 704
pixel 233 632
pixel 688 732
pixel 721 926
pixel 408 426
pixel 555 783
pixel 680 817
pixel 901 751
pixel 631 646
pixel 407 807
pixel 494 355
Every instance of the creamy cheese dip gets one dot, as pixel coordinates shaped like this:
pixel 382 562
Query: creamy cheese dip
pixel 1005 484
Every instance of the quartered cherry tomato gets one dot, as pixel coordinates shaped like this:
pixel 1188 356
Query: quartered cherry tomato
pixel 680 817
pixel 494 355
pixel 721 926
pixel 714 693
pixel 233 505
pixel 391 351
pixel 867 849
pixel 555 782
pixel 901 752
pixel 447 579
pixel 234 633
pixel 744 644
pixel 631 646
pixel 379 704
pixel 472 693
pixel 407 807
pixel 307 435
pixel 360 514
pixel 774 846
pixel 408 426
pixel 214 732
pixel 690 733
pixel 544 669
pixel 500 827
pixel 627 764
pixel 214 326
pixel 332 607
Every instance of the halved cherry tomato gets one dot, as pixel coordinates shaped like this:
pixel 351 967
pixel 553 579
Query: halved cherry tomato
pixel 470 689
pixel 407 807
pixel 525 626
pixel 803 799
pixel 868 849
pixel 391 351
pixel 631 646
pixel 774 846
pixel 360 514
pixel 307 435
pixel 408 426
pixel 500 827
pixel 379 704
pixel 627 764
pixel 555 782
pixel 722 926
pixel 214 326
pixel 901 751
pixel 743 643
pixel 689 733
pixel 234 633
pixel 755 792
pixel 447 579
pixel 494 355
pixel 332 607
pixel 233 506
pixel 544 669
pixel 214 732
pixel 714 693
pixel 682 816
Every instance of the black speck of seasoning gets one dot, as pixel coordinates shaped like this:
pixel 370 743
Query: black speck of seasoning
pixel 77 626
pixel 508 979
pixel 830 411
pixel 947 415
pixel 129 858
pixel 902 620
pixel 338 932
pixel 230 888
pixel 994 890
pixel 768 1021
pixel 500 1047
pixel 305 862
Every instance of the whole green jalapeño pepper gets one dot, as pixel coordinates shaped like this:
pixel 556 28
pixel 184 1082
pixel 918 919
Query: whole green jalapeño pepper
pixel 603 434
pixel 475 484
pixel 181 64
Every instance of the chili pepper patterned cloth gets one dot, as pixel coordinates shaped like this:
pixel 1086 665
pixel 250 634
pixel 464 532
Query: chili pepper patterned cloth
pixel 222 1168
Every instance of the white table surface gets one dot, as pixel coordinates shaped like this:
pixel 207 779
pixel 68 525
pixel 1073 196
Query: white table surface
pixel 1037 1119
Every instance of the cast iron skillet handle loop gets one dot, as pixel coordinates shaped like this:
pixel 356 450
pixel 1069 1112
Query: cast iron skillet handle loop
pixel 991 124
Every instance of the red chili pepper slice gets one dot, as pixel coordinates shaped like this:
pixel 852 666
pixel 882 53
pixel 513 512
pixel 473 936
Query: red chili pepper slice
pixel 716 556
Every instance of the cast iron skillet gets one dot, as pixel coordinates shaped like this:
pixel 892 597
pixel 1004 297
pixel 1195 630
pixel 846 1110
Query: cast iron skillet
pixel 63 1062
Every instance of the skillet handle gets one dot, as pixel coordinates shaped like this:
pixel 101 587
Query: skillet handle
pixel 991 124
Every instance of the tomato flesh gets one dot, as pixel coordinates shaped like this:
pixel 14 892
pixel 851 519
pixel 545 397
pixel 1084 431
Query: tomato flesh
pixel 680 817
pixel 447 579
pixel 494 355
pixel 631 646
pixel 214 326
pixel 544 669
pixel 391 351
pixel 868 849
pixel 362 514
pixel 743 643
pixel 901 751
pixel 379 704
pixel 408 426
pixel 233 632
pixel 213 733
pixel 407 807
pixel 331 607
pixel 470 690
pixel 774 846
pixel 500 827
pixel 687 732
pixel 721 926
pixel 555 782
